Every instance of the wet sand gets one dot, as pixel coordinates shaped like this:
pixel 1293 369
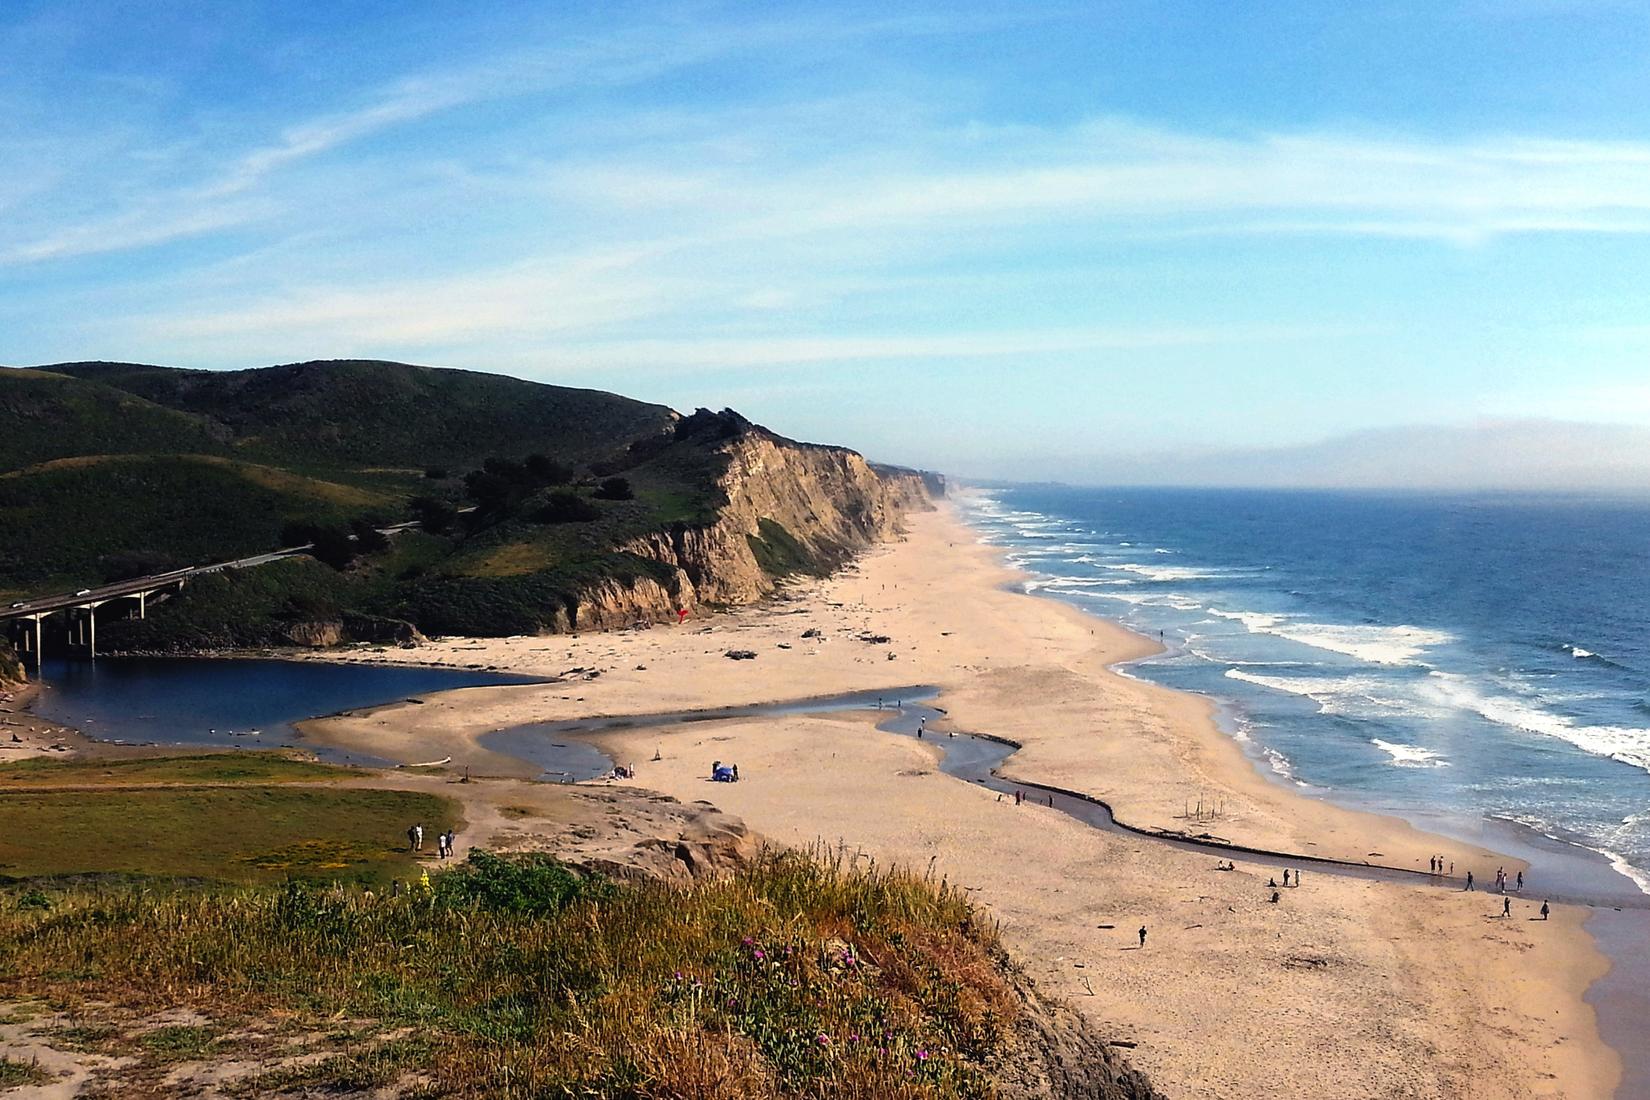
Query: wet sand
pixel 1340 988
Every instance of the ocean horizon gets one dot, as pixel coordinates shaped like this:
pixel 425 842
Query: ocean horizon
pixel 1437 656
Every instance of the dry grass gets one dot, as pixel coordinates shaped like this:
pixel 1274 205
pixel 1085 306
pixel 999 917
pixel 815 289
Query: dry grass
pixel 800 976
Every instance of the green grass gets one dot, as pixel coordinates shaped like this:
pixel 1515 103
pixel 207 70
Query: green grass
pixel 179 1042
pixel 69 524
pixel 797 977
pixel 209 768
pixel 15 1074
pixel 233 834
pixel 779 553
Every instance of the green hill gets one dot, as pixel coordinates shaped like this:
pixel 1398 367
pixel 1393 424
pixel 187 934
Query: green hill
pixel 527 494
pixel 372 413
pixel 103 464
pixel 46 416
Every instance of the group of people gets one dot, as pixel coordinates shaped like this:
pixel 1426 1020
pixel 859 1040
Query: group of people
pixel 443 841
pixel 1500 879
pixel 1438 866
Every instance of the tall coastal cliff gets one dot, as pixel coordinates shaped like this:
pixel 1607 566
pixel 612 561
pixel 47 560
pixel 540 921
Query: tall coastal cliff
pixel 786 508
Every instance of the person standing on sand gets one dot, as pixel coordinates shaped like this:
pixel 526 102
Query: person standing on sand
pixel 1432 865
pixel 1286 876
pixel 1452 868
pixel 412 838
pixel 1543 910
pixel 1297 878
pixel 1142 935
pixel 1521 882
pixel 1468 886
pixel 1506 907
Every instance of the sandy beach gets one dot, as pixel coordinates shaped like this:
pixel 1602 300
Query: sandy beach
pixel 1341 988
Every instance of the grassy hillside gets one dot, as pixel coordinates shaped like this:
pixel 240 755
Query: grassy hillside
pixel 371 413
pixel 517 978
pixel 107 467
pixel 86 520
pixel 115 470
pixel 45 416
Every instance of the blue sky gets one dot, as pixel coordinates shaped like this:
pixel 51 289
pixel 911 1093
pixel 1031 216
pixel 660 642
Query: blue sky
pixel 997 240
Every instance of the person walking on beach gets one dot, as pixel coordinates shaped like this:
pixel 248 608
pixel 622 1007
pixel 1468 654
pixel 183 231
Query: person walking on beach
pixel 1286 876
pixel 1297 878
pixel 1142 935
pixel 1433 865
pixel 1469 881
pixel 1543 910
pixel 412 838
pixel 1452 868
pixel 1506 907
pixel 1521 882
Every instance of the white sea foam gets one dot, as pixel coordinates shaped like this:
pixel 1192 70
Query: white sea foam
pixel 1160 550
pixel 1640 877
pixel 1165 572
pixel 1069 584
pixel 1410 756
pixel 1581 654
pixel 1381 645
pixel 1352 696
pixel 1624 743
pixel 1630 826
pixel 1280 763
pixel 1256 622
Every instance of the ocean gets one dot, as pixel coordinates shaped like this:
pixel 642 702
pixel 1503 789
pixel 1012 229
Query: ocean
pixel 1441 657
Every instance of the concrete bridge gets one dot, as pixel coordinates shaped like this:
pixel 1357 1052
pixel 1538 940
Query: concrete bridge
pixel 25 619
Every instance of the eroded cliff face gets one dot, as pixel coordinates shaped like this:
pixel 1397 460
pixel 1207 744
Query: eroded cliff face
pixel 789 508
pixel 12 673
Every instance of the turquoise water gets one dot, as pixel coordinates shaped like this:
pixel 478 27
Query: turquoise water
pixel 1465 656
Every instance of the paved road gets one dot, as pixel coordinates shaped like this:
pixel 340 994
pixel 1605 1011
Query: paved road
pixel 44 604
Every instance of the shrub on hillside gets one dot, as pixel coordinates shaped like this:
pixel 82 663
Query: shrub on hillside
pixel 368 538
pixel 567 506
pixel 435 516
pixel 615 488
